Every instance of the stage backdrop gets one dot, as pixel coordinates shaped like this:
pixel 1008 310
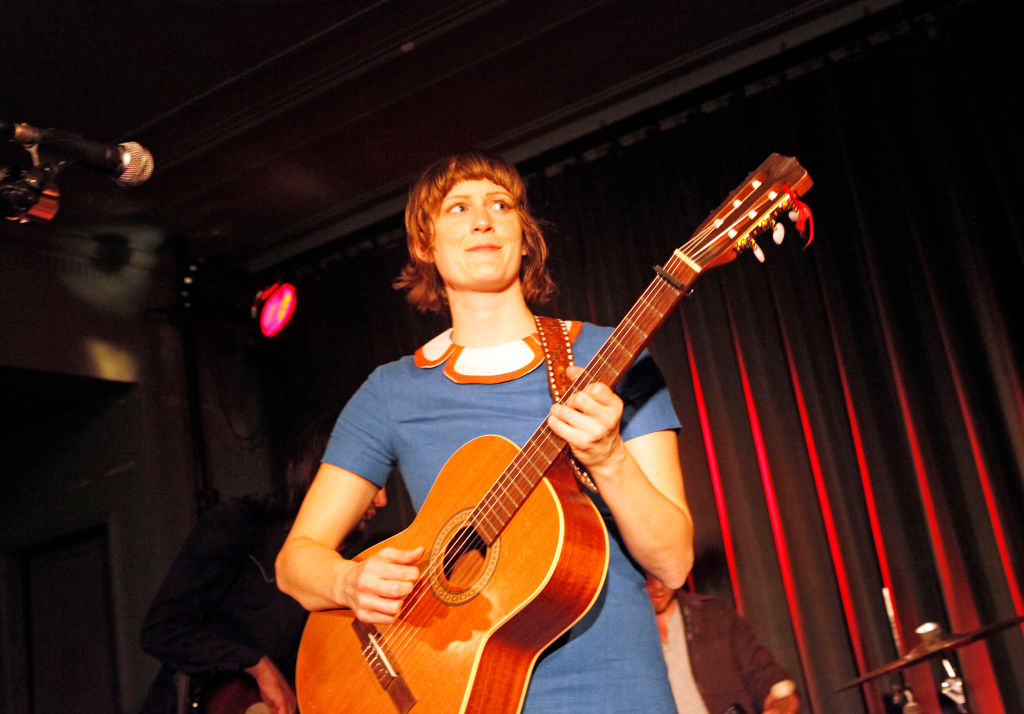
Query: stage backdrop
pixel 852 412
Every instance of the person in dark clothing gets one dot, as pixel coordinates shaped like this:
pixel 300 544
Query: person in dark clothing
pixel 219 612
pixel 219 609
pixel 715 662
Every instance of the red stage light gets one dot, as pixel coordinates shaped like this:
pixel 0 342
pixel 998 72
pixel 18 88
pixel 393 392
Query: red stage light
pixel 275 307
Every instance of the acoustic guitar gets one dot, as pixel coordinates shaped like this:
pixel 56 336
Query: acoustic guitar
pixel 515 551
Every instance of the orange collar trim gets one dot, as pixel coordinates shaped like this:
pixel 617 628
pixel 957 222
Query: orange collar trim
pixel 486 365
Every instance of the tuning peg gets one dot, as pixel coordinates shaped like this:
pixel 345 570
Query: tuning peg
pixel 794 215
pixel 758 253
pixel 778 233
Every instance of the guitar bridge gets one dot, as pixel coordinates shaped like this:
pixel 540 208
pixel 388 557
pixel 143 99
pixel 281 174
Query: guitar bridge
pixel 380 664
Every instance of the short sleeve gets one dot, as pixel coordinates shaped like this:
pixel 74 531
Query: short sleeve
pixel 647 406
pixel 361 440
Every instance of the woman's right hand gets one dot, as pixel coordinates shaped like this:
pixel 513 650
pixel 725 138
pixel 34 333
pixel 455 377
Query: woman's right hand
pixel 376 587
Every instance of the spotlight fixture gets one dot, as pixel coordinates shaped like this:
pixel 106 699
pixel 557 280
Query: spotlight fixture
pixel 215 293
pixel 274 307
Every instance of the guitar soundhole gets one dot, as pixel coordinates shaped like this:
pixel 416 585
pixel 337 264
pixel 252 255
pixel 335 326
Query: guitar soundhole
pixel 466 561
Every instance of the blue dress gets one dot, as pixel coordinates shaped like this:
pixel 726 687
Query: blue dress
pixel 412 414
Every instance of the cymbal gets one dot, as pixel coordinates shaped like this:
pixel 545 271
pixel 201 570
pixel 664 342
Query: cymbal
pixel 942 643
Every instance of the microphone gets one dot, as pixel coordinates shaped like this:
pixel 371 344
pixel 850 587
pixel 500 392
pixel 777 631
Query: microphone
pixel 130 163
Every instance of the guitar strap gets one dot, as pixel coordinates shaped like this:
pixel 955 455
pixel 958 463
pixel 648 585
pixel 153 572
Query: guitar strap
pixel 554 340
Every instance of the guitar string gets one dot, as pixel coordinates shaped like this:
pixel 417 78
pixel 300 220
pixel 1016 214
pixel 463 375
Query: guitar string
pixel 540 441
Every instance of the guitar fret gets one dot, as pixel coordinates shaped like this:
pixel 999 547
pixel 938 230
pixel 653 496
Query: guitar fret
pixel 678 253
pixel 522 491
pixel 500 503
pixel 487 530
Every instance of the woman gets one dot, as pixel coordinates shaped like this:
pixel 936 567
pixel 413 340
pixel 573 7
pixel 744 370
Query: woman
pixel 475 249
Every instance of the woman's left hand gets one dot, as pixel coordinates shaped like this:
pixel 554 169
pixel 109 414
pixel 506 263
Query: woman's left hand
pixel 589 423
pixel 640 482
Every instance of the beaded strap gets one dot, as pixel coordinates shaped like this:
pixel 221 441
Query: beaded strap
pixel 554 340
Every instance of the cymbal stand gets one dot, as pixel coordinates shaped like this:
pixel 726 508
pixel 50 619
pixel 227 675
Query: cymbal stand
pixel 953 687
pixel 953 684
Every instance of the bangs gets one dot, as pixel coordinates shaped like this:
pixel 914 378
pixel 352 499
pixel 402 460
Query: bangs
pixel 444 175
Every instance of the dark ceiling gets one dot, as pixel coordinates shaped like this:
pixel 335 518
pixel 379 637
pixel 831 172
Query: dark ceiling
pixel 279 126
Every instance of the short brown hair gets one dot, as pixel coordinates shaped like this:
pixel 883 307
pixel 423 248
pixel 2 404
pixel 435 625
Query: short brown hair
pixel 426 289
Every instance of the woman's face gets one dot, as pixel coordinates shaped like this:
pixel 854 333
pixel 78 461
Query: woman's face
pixel 478 239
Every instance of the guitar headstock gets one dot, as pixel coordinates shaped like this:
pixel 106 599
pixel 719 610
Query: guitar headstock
pixel 754 206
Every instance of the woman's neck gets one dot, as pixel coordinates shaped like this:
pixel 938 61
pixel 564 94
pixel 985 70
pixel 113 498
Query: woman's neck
pixel 489 319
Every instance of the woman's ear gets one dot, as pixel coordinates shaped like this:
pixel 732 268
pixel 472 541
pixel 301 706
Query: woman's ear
pixel 421 251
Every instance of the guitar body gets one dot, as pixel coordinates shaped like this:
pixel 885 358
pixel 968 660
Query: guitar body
pixel 469 635
pixel 229 693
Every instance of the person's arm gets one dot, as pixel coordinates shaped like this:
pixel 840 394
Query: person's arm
pixel 310 569
pixel 764 678
pixel 275 691
pixel 640 480
pixel 181 627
